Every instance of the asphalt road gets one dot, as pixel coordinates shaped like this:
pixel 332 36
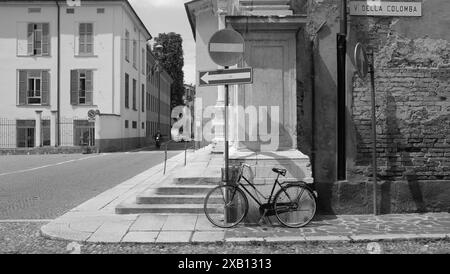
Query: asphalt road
pixel 47 186
pixel 24 238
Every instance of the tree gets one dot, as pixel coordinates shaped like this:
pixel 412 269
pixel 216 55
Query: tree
pixel 172 60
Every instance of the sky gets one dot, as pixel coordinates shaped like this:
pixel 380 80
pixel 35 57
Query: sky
pixel 161 16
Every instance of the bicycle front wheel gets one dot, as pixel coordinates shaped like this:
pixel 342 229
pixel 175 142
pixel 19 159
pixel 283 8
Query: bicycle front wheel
pixel 226 206
pixel 295 206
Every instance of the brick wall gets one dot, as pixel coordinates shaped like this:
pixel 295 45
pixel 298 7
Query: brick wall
pixel 413 123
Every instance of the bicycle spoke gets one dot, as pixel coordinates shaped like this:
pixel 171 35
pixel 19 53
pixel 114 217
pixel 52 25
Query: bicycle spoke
pixel 228 209
pixel 294 212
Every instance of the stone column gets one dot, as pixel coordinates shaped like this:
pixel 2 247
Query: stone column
pixel 38 131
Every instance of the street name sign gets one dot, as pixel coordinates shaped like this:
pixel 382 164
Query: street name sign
pixel 382 8
pixel 226 77
pixel 226 47
pixel 361 61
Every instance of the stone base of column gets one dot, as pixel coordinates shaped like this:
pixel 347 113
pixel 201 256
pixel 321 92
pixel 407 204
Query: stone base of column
pixel 298 167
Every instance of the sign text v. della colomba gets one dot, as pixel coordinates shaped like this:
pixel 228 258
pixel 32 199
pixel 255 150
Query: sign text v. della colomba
pixel 378 8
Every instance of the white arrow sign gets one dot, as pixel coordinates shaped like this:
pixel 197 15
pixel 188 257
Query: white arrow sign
pixel 226 77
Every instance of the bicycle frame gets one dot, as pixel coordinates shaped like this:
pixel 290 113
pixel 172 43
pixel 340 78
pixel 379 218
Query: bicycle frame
pixel 277 182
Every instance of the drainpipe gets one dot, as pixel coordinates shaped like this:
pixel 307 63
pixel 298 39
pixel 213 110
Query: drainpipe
pixel 341 94
pixel 313 109
pixel 58 73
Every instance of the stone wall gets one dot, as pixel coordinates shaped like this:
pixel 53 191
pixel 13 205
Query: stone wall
pixel 413 123
pixel 412 60
pixel 412 79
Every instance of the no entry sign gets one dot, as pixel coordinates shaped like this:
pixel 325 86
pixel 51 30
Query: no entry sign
pixel 226 47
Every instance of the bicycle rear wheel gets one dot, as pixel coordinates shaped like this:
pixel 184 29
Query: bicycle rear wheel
pixel 295 206
pixel 226 206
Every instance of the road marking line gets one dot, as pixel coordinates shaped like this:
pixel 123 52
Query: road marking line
pixel 26 221
pixel 51 165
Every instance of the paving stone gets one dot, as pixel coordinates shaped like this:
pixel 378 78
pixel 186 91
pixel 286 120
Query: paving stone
pixel 379 237
pixel 140 237
pixel 88 226
pixel 180 223
pixel 149 222
pixel 110 232
pixel 285 239
pixel 327 238
pixel 203 224
pixel 243 239
pixel 174 237
pixel 63 231
pixel 208 236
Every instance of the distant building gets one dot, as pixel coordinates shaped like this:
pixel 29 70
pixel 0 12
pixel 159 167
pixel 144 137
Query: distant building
pixel 58 62
pixel 158 90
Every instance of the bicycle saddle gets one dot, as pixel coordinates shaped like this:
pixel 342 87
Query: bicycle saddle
pixel 280 171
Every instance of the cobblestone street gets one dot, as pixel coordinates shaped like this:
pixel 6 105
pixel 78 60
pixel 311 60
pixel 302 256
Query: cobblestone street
pixel 24 238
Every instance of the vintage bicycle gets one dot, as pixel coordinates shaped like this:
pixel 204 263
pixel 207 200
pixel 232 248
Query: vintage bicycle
pixel 294 204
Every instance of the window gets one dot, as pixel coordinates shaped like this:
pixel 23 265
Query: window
pixel 127 124
pixel 70 11
pixel 34 87
pixel 127 90
pixel 143 98
pixel 143 125
pixel 38 39
pixel 127 46
pixel 100 10
pixel 82 87
pixel 134 94
pixel 84 133
pixel 134 124
pixel 26 133
pixel 86 38
pixel 134 53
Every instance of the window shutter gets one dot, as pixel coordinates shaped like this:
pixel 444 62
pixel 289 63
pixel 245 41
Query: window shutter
pixel 82 38
pixel 22 38
pixel 45 88
pixel 89 87
pixel 23 75
pixel 45 39
pixel 74 87
pixel 30 38
pixel 90 38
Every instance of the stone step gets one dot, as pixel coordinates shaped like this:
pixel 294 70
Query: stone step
pixel 196 181
pixel 166 209
pixel 174 199
pixel 183 189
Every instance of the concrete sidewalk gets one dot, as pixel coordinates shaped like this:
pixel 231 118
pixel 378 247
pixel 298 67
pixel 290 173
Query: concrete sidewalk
pixel 95 221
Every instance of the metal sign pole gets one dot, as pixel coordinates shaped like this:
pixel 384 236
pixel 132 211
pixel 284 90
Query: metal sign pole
pixel 374 133
pixel 227 160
